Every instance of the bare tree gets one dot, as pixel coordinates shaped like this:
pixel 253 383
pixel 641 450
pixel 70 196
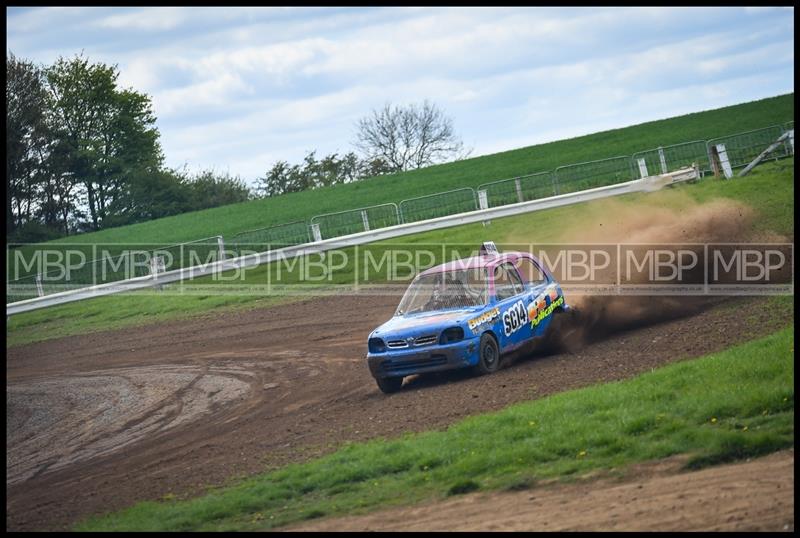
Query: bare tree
pixel 408 137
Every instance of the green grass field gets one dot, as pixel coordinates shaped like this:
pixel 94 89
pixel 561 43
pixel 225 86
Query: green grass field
pixel 731 405
pixel 769 190
pixel 228 220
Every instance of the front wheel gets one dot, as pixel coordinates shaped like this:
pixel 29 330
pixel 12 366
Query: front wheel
pixel 389 385
pixel 488 355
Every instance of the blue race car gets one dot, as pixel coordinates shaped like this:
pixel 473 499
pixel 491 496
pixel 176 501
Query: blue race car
pixel 465 313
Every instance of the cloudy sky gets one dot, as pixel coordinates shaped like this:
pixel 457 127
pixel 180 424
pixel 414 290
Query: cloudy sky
pixel 236 89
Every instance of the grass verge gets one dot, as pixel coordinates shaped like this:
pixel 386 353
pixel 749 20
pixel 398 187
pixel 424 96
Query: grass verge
pixel 125 311
pixel 726 406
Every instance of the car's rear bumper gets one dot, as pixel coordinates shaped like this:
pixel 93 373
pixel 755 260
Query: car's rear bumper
pixel 433 358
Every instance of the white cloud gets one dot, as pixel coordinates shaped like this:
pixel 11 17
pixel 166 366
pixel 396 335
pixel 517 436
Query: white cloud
pixel 211 92
pixel 276 59
pixel 156 19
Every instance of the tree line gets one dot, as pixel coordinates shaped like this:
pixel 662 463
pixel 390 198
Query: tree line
pixel 84 154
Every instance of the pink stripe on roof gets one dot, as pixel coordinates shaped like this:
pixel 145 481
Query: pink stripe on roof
pixel 475 262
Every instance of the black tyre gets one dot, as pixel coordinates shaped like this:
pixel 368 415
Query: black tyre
pixel 488 355
pixel 389 385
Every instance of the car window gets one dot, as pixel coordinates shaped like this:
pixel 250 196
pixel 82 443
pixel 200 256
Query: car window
pixel 532 273
pixel 438 291
pixel 506 282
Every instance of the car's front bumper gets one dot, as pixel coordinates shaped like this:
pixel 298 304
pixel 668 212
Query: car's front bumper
pixel 433 358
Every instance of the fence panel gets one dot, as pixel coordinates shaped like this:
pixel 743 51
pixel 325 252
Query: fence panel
pixel 588 175
pixel 519 189
pixel 271 237
pixel 111 267
pixel 671 158
pixel 22 288
pixel 438 205
pixel 134 263
pixel 188 254
pixel 742 148
pixel 357 220
pixel 98 271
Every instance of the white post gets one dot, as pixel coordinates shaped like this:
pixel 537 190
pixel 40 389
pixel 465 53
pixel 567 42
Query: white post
pixel 315 232
pixel 791 139
pixel 663 160
pixel 642 167
pixel 724 162
pixel 365 220
pixel 483 203
pixel 39 288
pixel 483 200
pixel 519 190
pixel 221 245
pixel 157 266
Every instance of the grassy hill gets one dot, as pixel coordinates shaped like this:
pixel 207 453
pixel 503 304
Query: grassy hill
pixel 231 219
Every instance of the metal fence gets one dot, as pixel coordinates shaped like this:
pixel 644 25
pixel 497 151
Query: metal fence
pixel 271 237
pixel 742 148
pixel 671 158
pixel 588 175
pixel 353 221
pixel 518 189
pixel 101 270
pixel 191 253
pixel 438 205
pixel 23 288
pixel 136 261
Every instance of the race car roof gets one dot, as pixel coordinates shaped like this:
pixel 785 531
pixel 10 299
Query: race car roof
pixel 475 262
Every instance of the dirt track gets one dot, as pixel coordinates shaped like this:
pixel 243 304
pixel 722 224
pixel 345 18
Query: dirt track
pixel 98 422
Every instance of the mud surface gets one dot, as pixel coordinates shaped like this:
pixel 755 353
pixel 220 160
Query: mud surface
pixel 98 422
pixel 756 495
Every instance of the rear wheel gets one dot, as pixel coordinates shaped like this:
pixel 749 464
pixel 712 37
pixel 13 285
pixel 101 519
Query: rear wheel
pixel 488 355
pixel 389 384
pixel 563 333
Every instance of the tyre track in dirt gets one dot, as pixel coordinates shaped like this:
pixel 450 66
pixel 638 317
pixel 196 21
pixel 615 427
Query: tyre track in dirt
pixel 302 388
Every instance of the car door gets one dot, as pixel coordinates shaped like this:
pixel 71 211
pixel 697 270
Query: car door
pixel 513 299
pixel 542 289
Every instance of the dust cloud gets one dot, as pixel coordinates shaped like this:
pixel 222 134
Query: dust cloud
pixel 682 220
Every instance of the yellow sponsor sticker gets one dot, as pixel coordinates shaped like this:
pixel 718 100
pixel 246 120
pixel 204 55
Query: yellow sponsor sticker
pixel 484 318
